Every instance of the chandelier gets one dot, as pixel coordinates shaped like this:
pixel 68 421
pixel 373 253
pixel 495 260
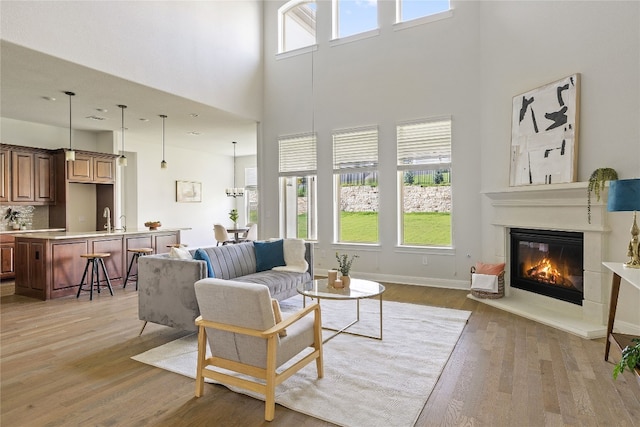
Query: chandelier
pixel 235 191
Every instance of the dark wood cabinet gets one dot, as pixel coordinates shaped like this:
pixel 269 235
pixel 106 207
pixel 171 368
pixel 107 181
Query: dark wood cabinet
pixel 22 177
pixel 92 168
pixel 31 269
pixel 7 257
pixel 5 175
pixel 28 176
pixel 104 170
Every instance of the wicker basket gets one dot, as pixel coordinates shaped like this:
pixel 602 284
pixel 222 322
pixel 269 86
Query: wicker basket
pixel 489 295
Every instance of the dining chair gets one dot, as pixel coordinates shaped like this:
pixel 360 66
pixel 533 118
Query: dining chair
pixel 246 335
pixel 221 235
pixel 251 234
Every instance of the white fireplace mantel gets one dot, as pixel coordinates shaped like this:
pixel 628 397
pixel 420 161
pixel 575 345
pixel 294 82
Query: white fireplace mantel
pixel 554 207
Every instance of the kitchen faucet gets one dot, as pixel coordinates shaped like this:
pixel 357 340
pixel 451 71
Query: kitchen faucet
pixel 107 214
pixel 123 224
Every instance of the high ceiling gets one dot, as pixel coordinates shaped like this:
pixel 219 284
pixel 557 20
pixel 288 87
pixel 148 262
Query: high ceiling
pixel 28 77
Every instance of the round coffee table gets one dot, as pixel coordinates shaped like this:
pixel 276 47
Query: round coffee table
pixel 359 289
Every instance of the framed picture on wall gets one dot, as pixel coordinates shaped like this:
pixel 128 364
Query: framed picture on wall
pixel 188 191
pixel 544 134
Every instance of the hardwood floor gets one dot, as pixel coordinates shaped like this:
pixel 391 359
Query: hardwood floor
pixel 66 362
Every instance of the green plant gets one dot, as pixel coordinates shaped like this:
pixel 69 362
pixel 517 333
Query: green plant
pixel 12 215
pixel 630 358
pixel 344 263
pixel 233 215
pixel 596 184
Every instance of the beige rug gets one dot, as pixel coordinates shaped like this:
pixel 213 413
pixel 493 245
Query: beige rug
pixel 367 382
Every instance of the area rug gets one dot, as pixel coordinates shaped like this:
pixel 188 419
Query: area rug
pixel 367 381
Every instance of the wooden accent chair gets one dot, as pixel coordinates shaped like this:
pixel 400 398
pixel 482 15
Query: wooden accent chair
pixel 221 235
pixel 238 321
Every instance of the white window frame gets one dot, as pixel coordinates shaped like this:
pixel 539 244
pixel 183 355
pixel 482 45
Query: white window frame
pixel 351 148
pixel 335 26
pixel 424 154
pixel 282 11
pixel 297 159
pixel 400 24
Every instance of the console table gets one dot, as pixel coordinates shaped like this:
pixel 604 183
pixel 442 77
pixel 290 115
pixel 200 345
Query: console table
pixel 632 276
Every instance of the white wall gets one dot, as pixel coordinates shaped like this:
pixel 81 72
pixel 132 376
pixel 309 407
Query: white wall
pixel 208 51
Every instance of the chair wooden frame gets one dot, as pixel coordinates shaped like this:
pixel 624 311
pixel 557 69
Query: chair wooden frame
pixel 269 374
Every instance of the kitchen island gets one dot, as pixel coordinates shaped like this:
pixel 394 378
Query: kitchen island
pixel 48 264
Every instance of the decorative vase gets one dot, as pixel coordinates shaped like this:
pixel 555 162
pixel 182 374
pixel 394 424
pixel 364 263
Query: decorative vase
pixel 15 226
pixel 346 281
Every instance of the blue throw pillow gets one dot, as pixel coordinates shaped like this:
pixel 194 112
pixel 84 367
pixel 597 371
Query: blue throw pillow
pixel 202 256
pixel 269 255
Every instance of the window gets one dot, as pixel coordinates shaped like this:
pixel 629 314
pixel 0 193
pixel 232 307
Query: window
pixel 424 179
pixel 296 25
pixel 354 17
pixel 298 189
pixel 251 194
pixel 407 10
pixel 355 169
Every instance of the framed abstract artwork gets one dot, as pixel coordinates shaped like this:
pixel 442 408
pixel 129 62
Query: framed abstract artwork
pixel 188 191
pixel 544 134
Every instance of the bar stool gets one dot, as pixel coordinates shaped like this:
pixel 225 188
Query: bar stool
pixel 137 253
pixel 95 260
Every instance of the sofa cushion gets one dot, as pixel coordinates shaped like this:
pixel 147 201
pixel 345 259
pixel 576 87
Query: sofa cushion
pixel 278 282
pixel 201 255
pixel 180 253
pixel 294 253
pixel 269 255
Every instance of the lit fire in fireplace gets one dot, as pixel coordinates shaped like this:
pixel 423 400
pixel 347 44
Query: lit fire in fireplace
pixel 546 272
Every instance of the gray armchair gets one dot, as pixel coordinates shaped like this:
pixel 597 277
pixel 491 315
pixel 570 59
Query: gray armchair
pixel 239 323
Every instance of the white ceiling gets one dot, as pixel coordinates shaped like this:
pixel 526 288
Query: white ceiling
pixel 27 77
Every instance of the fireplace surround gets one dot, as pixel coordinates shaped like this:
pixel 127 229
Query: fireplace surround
pixel 557 207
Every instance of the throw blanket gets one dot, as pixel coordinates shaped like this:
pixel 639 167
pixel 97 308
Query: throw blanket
pixel 294 252
pixel 484 282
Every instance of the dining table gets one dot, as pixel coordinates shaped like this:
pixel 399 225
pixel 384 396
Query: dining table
pixel 236 232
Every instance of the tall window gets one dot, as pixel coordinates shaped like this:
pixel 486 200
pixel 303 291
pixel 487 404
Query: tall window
pixel 298 189
pixel 296 25
pixel 354 17
pixel 355 170
pixel 251 194
pixel 407 10
pixel 424 179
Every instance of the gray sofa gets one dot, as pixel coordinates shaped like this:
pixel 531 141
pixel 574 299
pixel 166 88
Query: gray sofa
pixel 166 292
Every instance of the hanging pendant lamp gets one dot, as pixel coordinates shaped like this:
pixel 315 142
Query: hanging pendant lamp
pixel 163 164
pixel 122 160
pixel 235 191
pixel 70 155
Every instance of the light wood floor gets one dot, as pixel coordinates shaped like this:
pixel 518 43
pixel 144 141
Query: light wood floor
pixel 66 362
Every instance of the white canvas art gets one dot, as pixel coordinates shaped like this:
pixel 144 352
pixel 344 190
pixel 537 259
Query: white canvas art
pixel 544 134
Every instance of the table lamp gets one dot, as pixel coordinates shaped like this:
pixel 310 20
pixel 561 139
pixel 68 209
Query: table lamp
pixel 624 195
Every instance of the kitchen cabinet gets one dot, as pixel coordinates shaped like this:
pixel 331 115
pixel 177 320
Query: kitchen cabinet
pixel 28 176
pixel 7 256
pixel 91 168
pixel 5 175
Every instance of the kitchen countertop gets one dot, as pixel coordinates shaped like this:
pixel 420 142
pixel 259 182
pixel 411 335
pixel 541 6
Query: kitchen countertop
pixel 60 235
pixel 46 230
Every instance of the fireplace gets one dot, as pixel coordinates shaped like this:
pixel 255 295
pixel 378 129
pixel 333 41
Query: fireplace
pixel 548 262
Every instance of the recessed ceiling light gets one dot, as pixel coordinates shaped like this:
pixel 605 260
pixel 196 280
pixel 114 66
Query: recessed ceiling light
pixel 48 98
pixel 193 132
pixel 194 115
pixel 96 118
pixel 102 110
pixel 142 119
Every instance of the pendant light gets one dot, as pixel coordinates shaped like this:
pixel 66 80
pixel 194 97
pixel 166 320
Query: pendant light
pixel 235 191
pixel 70 155
pixel 122 160
pixel 163 164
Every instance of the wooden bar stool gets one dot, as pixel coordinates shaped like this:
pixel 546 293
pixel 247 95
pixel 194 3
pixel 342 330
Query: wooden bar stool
pixel 137 253
pixel 96 261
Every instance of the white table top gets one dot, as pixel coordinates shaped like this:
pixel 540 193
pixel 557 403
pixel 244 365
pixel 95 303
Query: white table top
pixel 358 289
pixel 631 275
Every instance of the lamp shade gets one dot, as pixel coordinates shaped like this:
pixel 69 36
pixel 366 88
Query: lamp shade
pixel 624 195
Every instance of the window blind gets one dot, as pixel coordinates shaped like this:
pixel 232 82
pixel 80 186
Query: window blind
pixel 424 143
pixel 355 149
pixel 297 154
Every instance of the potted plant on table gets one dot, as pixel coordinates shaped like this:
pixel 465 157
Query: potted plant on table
pixel 630 358
pixel 596 184
pixel 344 266
pixel 233 216
pixel 12 216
